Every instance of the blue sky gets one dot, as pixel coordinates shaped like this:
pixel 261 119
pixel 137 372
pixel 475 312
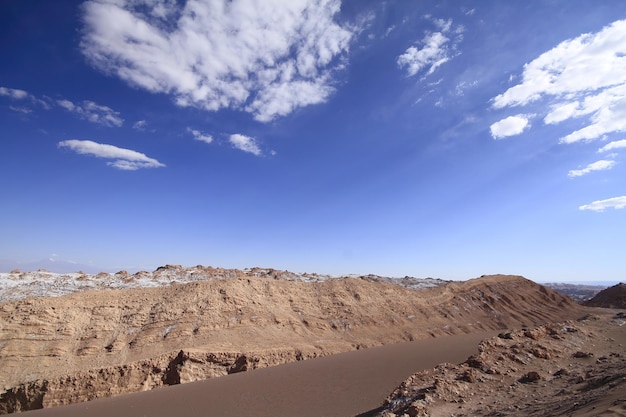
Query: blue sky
pixel 433 138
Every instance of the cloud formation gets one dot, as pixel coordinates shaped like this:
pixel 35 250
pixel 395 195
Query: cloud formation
pixel 203 137
pixel 88 110
pixel 601 205
pixel 611 146
pixel 13 93
pixel 510 126
pixel 434 50
pixel 140 125
pixel 245 143
pixel 124 159
pixel 584 77
pixel 93 112
pixel 267 58
pixel 22 96
pixel 20 109
pixel 600 165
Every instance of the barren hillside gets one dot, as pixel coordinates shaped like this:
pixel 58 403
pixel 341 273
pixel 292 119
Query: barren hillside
pixel 93 344
pixel 613 297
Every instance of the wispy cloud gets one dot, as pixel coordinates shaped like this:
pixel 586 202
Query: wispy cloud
pixel 88 110
pixel 13 93
pixel 140 125
pixel 203 137
pixel 600 165
pixel 245 143
pixel 20 109
pixel 510 126
pixel 611 146
pixel 433 50
pixel 601 205
pixel 22 96
pixel 93 112
pixel 265 58
pixel 462 86
pixel 585 76
pixel 124 159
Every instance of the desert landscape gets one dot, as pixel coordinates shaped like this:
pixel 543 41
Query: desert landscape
pixel 494 345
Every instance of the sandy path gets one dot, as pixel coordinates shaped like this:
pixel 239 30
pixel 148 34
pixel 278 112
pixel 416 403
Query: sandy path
pixel 340 385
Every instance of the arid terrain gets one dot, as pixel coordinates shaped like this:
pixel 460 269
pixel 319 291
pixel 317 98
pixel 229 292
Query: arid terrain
pixel 612 297
pixel 198 323
pixel 572 368
pixel 577 292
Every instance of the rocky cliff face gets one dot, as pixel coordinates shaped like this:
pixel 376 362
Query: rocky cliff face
pixel 93 344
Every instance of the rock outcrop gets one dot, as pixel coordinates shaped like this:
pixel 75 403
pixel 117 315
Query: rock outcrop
pixel 569 368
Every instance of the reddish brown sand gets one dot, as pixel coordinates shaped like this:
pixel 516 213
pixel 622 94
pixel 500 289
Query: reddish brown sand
pixel 341 385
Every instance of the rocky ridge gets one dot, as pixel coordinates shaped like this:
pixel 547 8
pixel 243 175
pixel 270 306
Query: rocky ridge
pixel 93 344
pixel 16 285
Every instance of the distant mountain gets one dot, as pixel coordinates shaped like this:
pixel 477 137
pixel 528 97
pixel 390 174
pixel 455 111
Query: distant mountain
pixel 613 297
pixel 578 292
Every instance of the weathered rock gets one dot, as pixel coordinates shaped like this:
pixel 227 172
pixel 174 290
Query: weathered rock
pixel 523 388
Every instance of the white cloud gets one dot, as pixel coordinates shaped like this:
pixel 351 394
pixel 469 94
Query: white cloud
pixel 267 58
pixel 601 165
pixel 434 50
pixel 601 205
pixel 23 96
pixel 617 144
pixel 433 54
pixel 581 79
pixel 463 86
pixel 203 137
pixel 24 110
pixel 510 126
pixel 245 143
pixel 124 159
pixel 586 75
pixel 13 93
pixel 443 25
pixel 93 112
pixel 140 125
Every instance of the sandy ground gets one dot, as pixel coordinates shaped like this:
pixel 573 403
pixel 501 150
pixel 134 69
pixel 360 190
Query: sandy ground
pixel 340 385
